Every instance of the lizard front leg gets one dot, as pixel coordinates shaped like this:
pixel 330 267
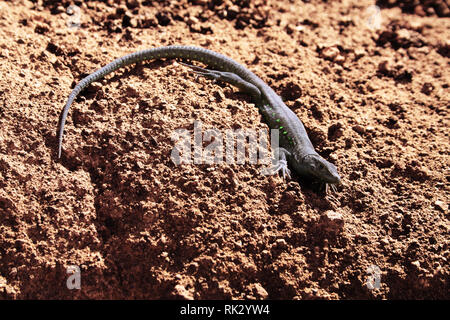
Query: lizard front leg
pixel 279 163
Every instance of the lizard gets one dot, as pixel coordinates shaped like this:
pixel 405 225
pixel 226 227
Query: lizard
pixel 296 149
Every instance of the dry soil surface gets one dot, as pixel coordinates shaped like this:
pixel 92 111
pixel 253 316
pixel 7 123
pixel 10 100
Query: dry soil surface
pixel 373 94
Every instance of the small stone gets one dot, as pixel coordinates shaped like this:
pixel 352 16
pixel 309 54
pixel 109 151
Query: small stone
pixel 441 205
pixel 427 88
pixel 289 29
pixel 265 254
pixel 385 241
pixel 291 92
pixel 339 59
pixel 360 53
pixel 260 291
pixel 193 267
pixel 281 243
pixel 233 9
pixel 41 28
pixel 59 9
pixel 419 11
pixel 335 131
pixel 132 91
pixel 148 21
pixel 163 19
pixel 333 215
pixel 424 50
pixel 192 21
pixel 132 4
pixel 330 53
pixel 332 221
pixel 358 128
pixel 372 87
pixel 200 2
pixel 403 34
pixel 416 264
pixel 96 86
pixel 127 18
pixel 384 67
pixel 181 292
pixel 442 8
pixel 133 23
pixel 430 11
pixel 348 143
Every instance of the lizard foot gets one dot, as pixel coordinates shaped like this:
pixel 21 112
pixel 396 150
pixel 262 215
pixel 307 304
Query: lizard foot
pixel 330 191
pixel 281 166
pixel 278 165
pixel 207 73
pixel 227 77
pixel 329 188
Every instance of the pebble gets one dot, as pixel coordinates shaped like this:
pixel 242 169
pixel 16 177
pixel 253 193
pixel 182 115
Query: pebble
pixel 281 243
pixel 260 291
pixel 385 241
pixel 348 143
pixel 441 205
pixel 95 86
pixel 181 291
pixel 192 21
pixel 234 10
pixel 427 88
pixel 359 129
pixel 403 34
pixel 330 53
pixel 333 54
pixel 419 11
pixel 133 4
pixel 384 67
pixel 339 59
pixel 360 53
pixel 335 131
pixel 332 221
pixel 334 216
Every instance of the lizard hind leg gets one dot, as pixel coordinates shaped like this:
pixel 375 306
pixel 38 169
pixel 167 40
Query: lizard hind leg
pixel 207 73
pixel 228 77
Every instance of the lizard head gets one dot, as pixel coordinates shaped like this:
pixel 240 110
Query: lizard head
pixel 320 168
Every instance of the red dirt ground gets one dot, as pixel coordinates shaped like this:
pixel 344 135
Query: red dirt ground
pixel 374 101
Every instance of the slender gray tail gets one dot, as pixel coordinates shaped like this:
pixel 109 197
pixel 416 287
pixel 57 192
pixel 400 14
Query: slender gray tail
pixel 111 67
pixel 214 59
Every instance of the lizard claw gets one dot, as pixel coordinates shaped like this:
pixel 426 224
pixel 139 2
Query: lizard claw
pixel 281 166
pixel 330 188
pixel 211 74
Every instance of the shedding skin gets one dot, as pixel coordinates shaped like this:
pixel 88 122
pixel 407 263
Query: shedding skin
pixel 296 149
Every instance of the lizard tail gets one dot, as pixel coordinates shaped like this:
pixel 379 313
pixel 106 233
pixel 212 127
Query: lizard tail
pixel 206 56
